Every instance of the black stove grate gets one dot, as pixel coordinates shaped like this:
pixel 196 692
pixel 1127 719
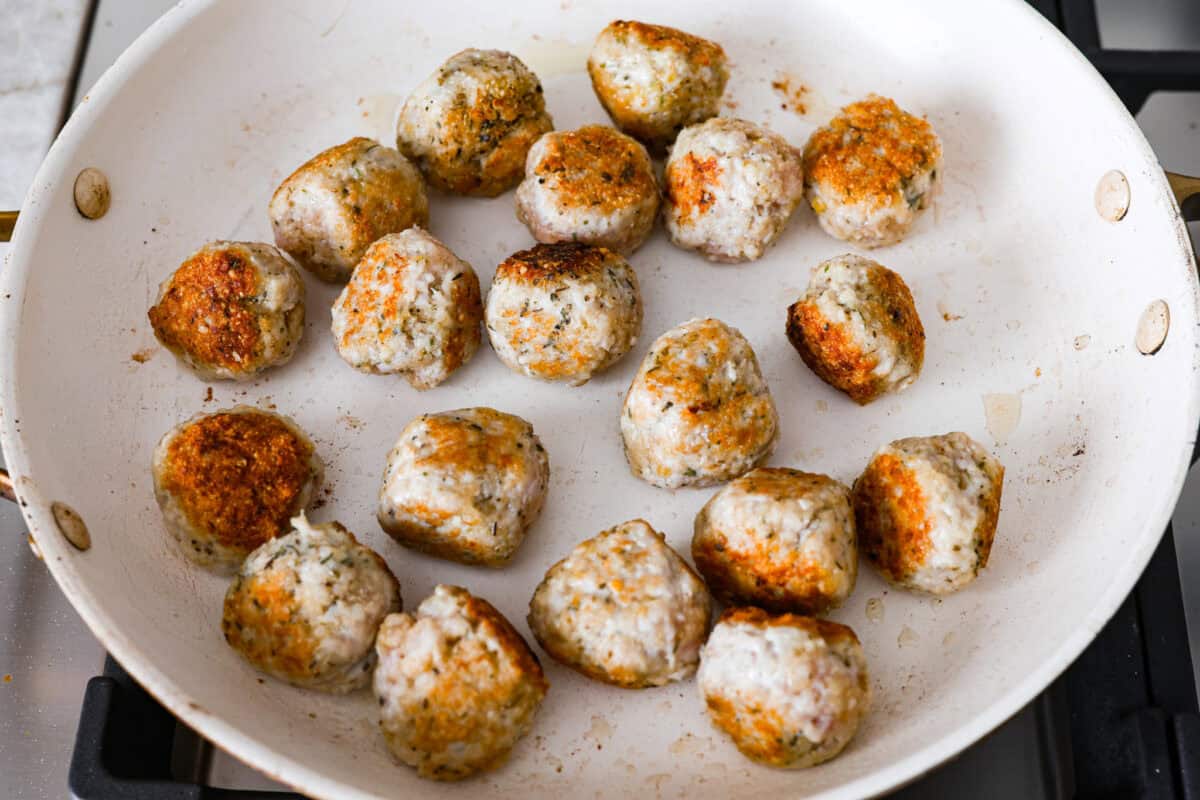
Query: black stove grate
pixel 1121 722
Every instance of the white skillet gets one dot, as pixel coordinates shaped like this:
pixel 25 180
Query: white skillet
pixel 1030 297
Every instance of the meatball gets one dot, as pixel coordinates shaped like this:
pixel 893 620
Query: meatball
pixel 593 185
pixel 780 539
pixel 562 312
pixel 328 211
pixel 457 685
pixel 698 411
pixel 789 690
pixel 623 608
pixel 305 607
pixel 471 123
pixel 870 171
pixel 411 307
pixel 926 510
pixel 229 481
pixel 654 80
pixel 464 485
pixel 231 310
pixel 731 187
pixel 857 328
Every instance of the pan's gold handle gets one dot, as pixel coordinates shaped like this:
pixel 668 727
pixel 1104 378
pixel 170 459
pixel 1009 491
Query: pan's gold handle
pixel 8 221
pixel 1187 194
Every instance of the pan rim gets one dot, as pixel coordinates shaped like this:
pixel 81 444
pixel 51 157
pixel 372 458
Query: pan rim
pixel 300 775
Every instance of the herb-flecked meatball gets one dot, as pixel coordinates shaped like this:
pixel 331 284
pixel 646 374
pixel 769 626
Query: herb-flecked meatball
pixel 562 312
pixel 231 310
pixel 327 212
pixel 623 608
pixel 698 411
pixel 731 187
pixel 593 185
pixel 780 539
pixel 229 481
pixel 871 171
pixel 411 307
pixel 790 691
pixel 305 607
pixel 457 685
pixel 857 328
pixel 654 80
pixel 926 510
pixel 471 123
pixel 464 485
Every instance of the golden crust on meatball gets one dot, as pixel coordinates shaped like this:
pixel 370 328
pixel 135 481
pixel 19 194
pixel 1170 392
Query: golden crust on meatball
pixel 698 412
pixel 927 510
pixel 327 212
pixel 469 126
pixel 654 80
pixel 870 150
pixel 464 485
pixel 858 331
pixel 230 310
pixel 789 690
pixel 305 608
pixel 780 539
pixel 237 478
pixel 457 685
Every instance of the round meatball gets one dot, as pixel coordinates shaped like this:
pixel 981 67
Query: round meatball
pixel 231 310
pixel 328 212
pixel 411 307
pixel 789 690
pixel 457 685
pixel 464 485
pixel 926 510
pixel 870 172
pixel 654 80
pixel 731 187
pixel 593 185
pixel 305 607
pixel 780 539
pixel 698 411
pixel 562 312
pixel 623 608
pixel 229 481
pixel 857 328
pixel 471 123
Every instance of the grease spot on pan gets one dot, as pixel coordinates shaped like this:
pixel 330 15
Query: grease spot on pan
pixel 1002 412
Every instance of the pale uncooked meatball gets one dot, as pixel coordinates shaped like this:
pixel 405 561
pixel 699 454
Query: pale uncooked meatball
pixel 926 510
pixel 654 80
pixel 327 212
pixel 471 123
pixel 857 328
pixel 623 608
pixel 731 187
pixel 231 310
pixel 698 411
pixel 306 606
pixel 457 685
pixel 464 485
pixel 871 171
pixel 780 539
pixel 562 312
pixel 790 691
pixel 229 481
pixel 593 185
pixel 411 307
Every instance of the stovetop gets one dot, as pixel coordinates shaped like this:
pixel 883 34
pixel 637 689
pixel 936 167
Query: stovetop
pixel 1121 722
